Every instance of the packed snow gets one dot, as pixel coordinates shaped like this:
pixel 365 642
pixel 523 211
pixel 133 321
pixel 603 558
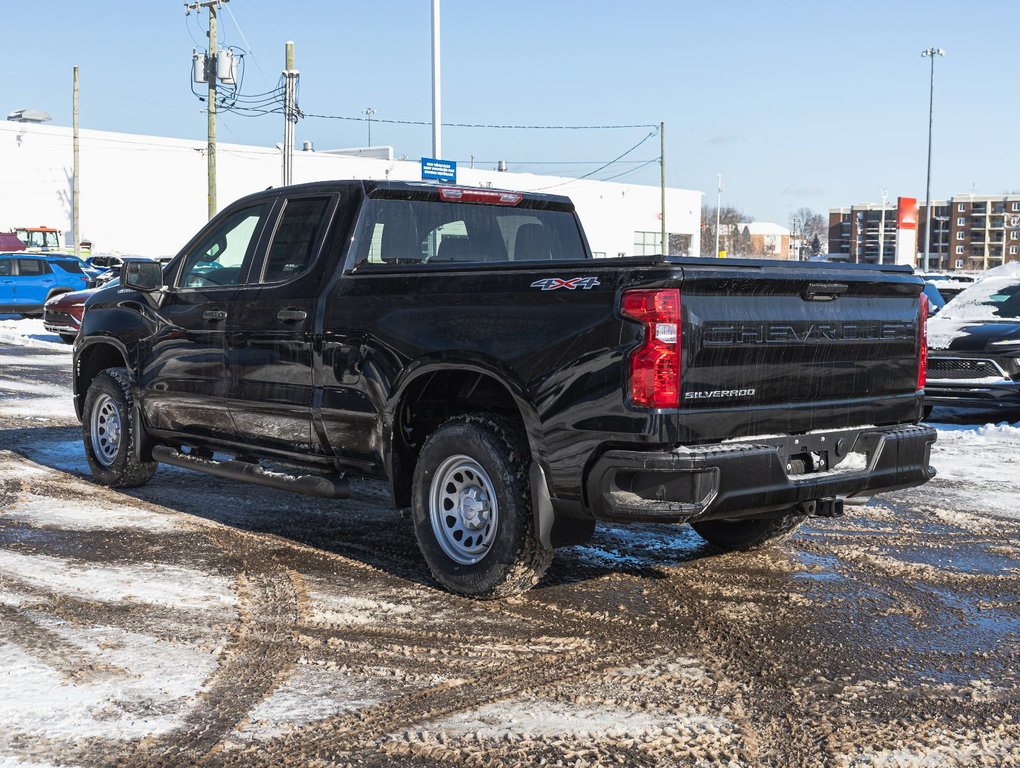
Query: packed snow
pixel 29 332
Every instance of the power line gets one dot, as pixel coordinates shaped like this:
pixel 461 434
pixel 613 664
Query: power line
pixel 509 127
pixel 602 167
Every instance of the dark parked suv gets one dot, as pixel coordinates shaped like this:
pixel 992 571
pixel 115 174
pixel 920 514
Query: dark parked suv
pixel 463 345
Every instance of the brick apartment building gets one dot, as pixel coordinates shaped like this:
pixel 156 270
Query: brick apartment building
pixel 968 232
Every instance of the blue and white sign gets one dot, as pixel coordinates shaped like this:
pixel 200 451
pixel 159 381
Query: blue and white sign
pixel 438 170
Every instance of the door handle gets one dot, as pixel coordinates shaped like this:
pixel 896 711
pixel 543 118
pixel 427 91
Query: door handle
pixel 291 315
pixel 214 315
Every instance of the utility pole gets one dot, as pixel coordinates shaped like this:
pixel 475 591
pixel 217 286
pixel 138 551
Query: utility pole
pixel 662 180
pixel 930 53
pixel 290 75
pixel 437 118
pixel 75 190
pixel 210 78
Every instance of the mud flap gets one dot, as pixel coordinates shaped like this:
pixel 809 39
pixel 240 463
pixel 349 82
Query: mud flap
pixel 552 531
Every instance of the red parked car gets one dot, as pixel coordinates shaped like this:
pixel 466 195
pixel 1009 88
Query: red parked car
pixel 62 314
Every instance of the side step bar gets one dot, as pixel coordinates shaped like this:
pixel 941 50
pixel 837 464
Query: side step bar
pixel 249 472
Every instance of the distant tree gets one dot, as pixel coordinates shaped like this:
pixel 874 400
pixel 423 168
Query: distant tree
pixel 679 245
pixel 729 231
pixel 809 227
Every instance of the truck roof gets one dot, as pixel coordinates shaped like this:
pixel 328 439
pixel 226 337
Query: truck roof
pixel 426 190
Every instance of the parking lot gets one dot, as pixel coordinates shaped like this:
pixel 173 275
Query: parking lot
pixel 200 621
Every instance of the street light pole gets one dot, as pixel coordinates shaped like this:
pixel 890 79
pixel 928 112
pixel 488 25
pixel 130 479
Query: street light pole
pixel 930 53
pixel 368 113
pixel 718 203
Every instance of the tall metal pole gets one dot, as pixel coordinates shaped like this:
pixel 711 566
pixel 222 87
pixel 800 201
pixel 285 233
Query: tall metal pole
pixel 290 75
pixel 931 53
pixel 368 112
pixel 662 184
pixel 437 118
pixel 75 190
pixel 718 205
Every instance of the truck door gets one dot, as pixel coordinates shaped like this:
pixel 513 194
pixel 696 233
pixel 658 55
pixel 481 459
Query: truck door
pixel 184 378
pixel 270 345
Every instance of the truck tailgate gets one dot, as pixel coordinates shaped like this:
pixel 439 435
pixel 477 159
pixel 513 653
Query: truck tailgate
pixel 780 344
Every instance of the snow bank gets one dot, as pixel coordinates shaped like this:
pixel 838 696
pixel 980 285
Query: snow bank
pixel 979 467
pixel 29 333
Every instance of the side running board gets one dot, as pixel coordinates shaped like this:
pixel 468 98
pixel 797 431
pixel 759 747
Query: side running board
pixel 249 472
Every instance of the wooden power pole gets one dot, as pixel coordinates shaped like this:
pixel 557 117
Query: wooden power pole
pixel 290 75
pixel 210 77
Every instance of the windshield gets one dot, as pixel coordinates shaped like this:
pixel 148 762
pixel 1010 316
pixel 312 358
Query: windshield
pixel 991 299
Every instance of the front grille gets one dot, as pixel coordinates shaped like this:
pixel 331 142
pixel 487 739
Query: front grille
pixel 963 368
pixel 56 317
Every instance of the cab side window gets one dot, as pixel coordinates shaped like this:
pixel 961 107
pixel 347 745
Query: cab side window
pixel 5 267
pixel 296 238
pixel 218 260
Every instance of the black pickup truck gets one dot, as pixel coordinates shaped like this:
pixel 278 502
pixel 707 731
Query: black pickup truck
pixel 463 345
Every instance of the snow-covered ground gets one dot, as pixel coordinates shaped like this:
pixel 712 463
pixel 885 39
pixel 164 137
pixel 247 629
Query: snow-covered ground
pixel 197 620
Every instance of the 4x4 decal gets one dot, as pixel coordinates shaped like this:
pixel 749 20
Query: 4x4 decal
pixel 554 283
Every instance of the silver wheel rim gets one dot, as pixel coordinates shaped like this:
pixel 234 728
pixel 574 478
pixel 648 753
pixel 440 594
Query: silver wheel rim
pixel 105 427
pixel 463 509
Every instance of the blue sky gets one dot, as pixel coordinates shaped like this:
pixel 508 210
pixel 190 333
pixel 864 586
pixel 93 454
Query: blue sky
pixel 813 104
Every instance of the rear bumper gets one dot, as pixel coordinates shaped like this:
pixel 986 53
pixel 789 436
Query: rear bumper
pixel 746 479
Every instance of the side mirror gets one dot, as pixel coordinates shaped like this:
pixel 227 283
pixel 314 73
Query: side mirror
pixel 142 275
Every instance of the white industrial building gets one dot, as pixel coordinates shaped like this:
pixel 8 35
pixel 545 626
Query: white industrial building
pixel 146 195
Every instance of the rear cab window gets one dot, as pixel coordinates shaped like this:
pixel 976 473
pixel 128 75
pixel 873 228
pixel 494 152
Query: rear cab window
pixel 296 239
pixel 422 232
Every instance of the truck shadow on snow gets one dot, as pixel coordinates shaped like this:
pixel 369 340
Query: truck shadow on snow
pixel 365 528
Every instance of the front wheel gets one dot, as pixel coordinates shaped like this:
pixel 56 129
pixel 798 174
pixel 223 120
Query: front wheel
pixel 109 434
pixel 744 535
pixel 472 509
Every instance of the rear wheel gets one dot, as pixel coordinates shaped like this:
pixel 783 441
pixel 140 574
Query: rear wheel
pixel 108 432
pixel 748 534
pixel 472 509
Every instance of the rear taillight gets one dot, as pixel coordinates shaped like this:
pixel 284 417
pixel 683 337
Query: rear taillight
pixel 922 358
pixel 655 365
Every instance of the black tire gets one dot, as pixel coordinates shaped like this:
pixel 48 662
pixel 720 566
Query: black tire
pixel 68 338
pixel 113 462
pixel 494 456
pixel 743 535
